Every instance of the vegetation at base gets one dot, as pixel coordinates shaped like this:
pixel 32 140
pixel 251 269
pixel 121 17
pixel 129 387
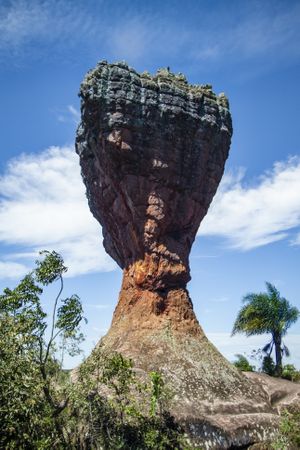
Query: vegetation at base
pixel 116 409
pixel 267 312
pixel 288 437
pixel 108 406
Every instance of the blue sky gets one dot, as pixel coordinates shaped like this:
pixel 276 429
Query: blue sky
pixel 250 50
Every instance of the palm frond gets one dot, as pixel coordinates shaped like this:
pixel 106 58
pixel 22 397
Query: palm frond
pixel 268 348
pixel 272 291
pixel 285 351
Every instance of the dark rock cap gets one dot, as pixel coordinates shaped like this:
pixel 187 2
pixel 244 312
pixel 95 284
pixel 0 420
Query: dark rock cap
pixel 152 152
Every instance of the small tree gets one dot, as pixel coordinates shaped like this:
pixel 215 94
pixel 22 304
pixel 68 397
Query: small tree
pixel 267 312
pixel 30 397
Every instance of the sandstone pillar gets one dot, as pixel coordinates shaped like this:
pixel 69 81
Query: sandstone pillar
pixel 152 151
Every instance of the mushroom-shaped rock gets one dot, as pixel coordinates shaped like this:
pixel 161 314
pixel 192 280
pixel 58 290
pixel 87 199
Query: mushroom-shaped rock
pixel 152 152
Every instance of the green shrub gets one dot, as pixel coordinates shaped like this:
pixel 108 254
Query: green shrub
pixel 268 366
pixel 243 364
pixel 117 409
pixel 288 437
pixel 289 372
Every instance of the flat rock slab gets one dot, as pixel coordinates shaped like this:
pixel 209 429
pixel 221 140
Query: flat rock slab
pixel 282 393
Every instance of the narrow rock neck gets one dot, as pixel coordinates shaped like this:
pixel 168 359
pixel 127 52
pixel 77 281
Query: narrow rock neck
pixel 158 273
pixel 140 309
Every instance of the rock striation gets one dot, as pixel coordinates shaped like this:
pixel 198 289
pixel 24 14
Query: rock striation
pixel 152 152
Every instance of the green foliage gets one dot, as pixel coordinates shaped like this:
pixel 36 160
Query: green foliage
pixel 69 316
pixel 288 437
pixel 116 409
pixel 118 374
pixel 243 364
pixel 108 407
pixel 25 418
pixel 30 397
pixel 50 269
pixel 289 372
pixel 157 386
pixel 268 365
pixel 267 312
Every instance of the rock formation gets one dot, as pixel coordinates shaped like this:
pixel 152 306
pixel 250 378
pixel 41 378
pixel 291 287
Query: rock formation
pixel 152 152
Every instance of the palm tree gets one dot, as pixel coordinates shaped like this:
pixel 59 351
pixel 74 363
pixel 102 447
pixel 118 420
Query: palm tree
pixel 267 312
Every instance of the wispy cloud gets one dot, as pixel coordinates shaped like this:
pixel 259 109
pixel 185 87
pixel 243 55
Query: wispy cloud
pixel 260 30
pixel 33 24
pixel 266 211
pixel 102 331
pixel 43 205
pixel 10 269
pixel 195 32
pixel 20 21
pixel 75 114
pixel 70 114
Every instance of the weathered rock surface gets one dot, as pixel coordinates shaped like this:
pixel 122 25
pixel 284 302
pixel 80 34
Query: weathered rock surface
pixel 152 151
pixel 282 394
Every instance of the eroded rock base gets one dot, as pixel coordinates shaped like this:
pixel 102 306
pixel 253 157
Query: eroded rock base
pixel 219 406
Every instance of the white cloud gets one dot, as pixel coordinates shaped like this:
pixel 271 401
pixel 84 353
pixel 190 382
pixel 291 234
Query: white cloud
pixel 10 269
pixel 102 331
pixel 43 205
pixel 21 21
pixel 249 216
pixel 230 346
